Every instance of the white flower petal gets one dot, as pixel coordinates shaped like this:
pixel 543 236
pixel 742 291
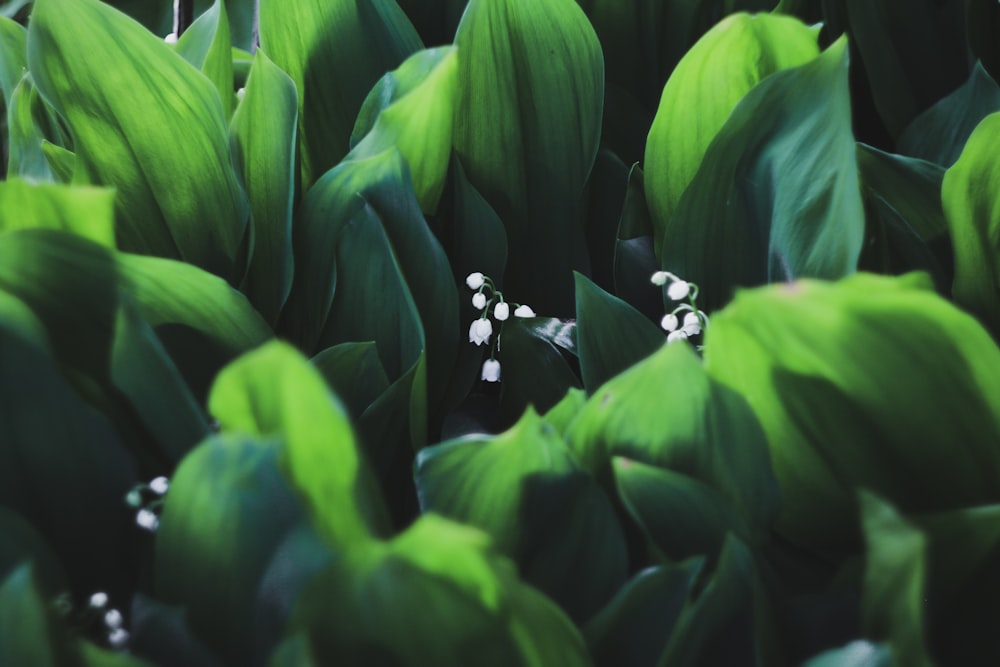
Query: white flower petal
pixel 171 38
pixel 113 618
pixel 159 485
pixel 679 289
pixel 479 300
pixel 475 280
pixel 659 278
pixel 692 324
pixel 669 322
pixel 98 599
pixel 524 311
pixel 147 519
pixel 676 336
pixel 502 311
pixel 491 370
pixel 480 331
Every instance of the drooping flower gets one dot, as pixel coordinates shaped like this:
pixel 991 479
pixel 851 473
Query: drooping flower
pixel 480 331
pixel 692 324
pixel 491 370
pixel 475 280
pixel 479 300
pixel 502 311
pixel 676 336
pixel 669 322
pixel 171 38
pixel 659 278
pixel 679 289
pixel 159 485
pixel 147 519
pixel 524 311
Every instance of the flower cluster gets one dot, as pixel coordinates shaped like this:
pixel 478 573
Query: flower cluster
pixel 97 619
pixel 147 500
pixel 489 300
pixel 685 321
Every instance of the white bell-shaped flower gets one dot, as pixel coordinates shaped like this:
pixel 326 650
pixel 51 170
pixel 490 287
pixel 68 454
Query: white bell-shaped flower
pixel 692 324
pixel 679 289
pixel 147 519
pixel 159 485
pixel 660 278
pixel 171 38
pixel 475 280
pixel 491 370
pixel 669 322
pixel 480 331
pixel 502 311
pixel 676 336
pixel 479 300
pixel 524 311
pixel 98 600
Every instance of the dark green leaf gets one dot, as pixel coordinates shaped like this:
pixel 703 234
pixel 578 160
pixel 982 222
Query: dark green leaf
pixel 22 544
pixel 28 635
pixel 355 374
pixel 206 45
pixel 544 511
pixel 146 122
pixel 335 51
pixel 777 195
pixel 527 128
pixel 534 369
pixel 910 186
pixel 635 258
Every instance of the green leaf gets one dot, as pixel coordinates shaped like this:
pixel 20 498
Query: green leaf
pixel 62 162
pixel 777 195
pixel 412 108
pixel 611 335
pixel 274 392
pixel 262 140
pixel 542 510
pixel 665 411
pixel 438 594
pixel 22 544
pixel 28 635
pixel 704 88
pixel 206 45
pixel 910 186
pixel 13 55
pixel 334 51
pixel 25 111
pixel 604 198
pixel 534 366
pixel 355 374
pixel 847 381
pixel 83 210
pixel 635 259
pixel 146 122
pixel 226 512
pixel 939 134
pixel 527 128
pixel 892 602
pixel 972 205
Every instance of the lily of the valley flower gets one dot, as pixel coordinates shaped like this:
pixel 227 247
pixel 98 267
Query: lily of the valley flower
pixel 692 324
pixel 679 289
pixel 676 336
pixel 491 370
pixel 480 331
pixel 479 300
pixel 502 311
pixel 524 311
pixel 669 322
pixel 475 280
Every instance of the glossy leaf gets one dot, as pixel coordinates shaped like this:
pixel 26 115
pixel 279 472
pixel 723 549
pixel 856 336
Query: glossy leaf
pixel 526 490
pixel 412 108
pixel 704 88
pixel 534 364
pixel 146 122
pixel 777 194
pixel 847 380
pixel 83 210
pixel 527 127
pixel 611 335
pixel 910 186
pixel 939 134
pixel 274 392
pixel 438 594
pixel 972 206
pixel 206 45
pixel 262 137
pixel 334 52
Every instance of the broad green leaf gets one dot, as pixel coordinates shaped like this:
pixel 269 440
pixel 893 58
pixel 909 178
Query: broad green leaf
pixel 147 123
pixel 635 258
pixel 62 162
pixel 611 335
pixel 26 155
pixel 412 108
pixel 28 635
pixel 704 88
pixel 438 594
pixel 355 374
pixel 13 55
pixel 534 364
pixel 206 45
pixel 665 411
pixel 262 140
pixel 911 186
pixel 913 54
pixel 847 381
pixel 777 195
pixel 527 128
pixel 972 205
pixel 334 51
pixel 893 599
pixel 939 134
pixel 856 654
pixel 161 633
pixel 274 392
pixel 226 512
pixel 526 489
pixel 22 544
pixel 83 210
pixel 562 414
pixel 682 516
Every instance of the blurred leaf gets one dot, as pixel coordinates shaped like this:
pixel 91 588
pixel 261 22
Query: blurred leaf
pixel 146 122
pixel 708 82
pixel 274 392
pixel 13 55
pixel 227 510
pixel 911 186
pixel 682 516
pixel 633 629
pixel 544 511
pixel 895 569
pixel 62 162
pixel 262 140
pixel 206 45
pixel 777 194
pixel 22 544
pixel 92 656
pixel 847 381
pixel 611 335
pixel 161 633
pixel 26 153
pixel 438 594
pixel 334 51
pixel 971 201
pixel 527 128
pixel 533 366
pixel 412 109
pixel 856 654
pixel 27 632
pixel 562 414
pixel 939 134
pixel 355 374
pixel 665 411
pixel 83 210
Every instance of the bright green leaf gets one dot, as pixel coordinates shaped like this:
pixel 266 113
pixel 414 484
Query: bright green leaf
pixel 26 154
pixel 206 45
pixel 13 55
pixel 83 210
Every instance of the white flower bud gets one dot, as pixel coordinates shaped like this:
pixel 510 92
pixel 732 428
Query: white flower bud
pixel 524 311
pixel 502 311
pixel 118 638
pixel 479 300
pixel 659 278
pixel 692 324
pixel 147 520
pixel 679 289
pixel 480 331
pixel 240 93
pixel 98 600
pixel 669 322
pixel 159 485
pixel 113 618
pixel 171 38
pixel 475 280
pixel 491 370
pixel 676 336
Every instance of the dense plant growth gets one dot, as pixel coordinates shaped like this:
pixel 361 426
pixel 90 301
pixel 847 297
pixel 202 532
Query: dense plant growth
pixel 500 332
